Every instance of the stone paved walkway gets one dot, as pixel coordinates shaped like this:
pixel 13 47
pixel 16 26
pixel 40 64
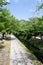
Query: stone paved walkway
pixel 18 55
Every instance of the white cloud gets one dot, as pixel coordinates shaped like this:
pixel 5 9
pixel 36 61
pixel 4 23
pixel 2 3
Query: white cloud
pixel 39 0
pixel 7 0
pixel 32 10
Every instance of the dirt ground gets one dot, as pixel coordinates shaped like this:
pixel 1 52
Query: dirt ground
pixel 4 52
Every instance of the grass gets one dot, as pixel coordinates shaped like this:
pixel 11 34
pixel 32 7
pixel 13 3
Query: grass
pixel 1 46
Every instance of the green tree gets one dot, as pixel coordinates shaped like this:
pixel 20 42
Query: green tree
pixel 3 2
pixel 40 7
pixel 4 15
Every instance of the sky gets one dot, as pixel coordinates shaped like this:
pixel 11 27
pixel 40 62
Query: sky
pixel 24 9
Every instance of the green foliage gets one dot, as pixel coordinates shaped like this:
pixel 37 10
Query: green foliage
pixel 40 7
pixel 4 16
pixel 4 20
pixel 5 12
pixel 1 27
pixel 3 2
